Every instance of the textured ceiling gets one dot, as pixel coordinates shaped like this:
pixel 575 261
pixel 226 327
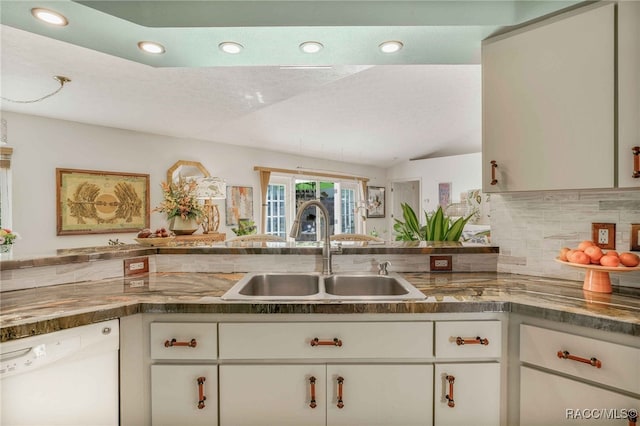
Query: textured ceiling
pixel 367 108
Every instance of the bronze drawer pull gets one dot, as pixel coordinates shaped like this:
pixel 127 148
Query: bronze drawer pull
pixel 595 362
pixel 312 384
pixel 201 397
pixel 636 161
pixel 317 342
pixel 494 166
pixel 173 342
pixel 450 402
pixel 340 403
pixel 471 341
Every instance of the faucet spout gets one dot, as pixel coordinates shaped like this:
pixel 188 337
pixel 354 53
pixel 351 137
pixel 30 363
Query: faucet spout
pixel 326 248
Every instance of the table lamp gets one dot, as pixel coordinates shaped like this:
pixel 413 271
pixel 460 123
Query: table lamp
pixel 209 189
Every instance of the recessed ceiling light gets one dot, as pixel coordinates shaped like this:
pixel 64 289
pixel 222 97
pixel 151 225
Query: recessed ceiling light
pixel 49 16
pixel 230 47
pixel 151 47
pixel 311 47
pixel 391 46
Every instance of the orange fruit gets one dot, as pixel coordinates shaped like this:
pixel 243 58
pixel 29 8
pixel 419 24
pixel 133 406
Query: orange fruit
pixel 580 257
pixel 594 253
pixel 629 259
pixel 563 253
pixel 611 261
pixel 584 244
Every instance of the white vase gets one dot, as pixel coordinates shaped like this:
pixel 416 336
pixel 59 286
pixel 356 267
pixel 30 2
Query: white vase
pixel 180 226
pixel 5 248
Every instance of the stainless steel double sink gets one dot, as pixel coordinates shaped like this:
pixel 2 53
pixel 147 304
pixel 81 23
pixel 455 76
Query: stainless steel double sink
pixel 314 286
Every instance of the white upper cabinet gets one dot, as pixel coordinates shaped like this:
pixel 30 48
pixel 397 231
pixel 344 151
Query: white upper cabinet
pixel 549 104
pixel 628 93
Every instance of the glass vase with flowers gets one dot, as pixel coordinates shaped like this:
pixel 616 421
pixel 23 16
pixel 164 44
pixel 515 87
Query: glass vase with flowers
pixel 181 205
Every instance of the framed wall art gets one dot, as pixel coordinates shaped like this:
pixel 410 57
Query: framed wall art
pixel 375 201
pixel 97 202
pixel 238 204
pixel 444 194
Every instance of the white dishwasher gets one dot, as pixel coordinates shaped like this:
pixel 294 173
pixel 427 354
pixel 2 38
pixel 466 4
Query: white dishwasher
pixel 65 378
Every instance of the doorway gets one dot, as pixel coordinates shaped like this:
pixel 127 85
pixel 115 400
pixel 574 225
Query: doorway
pixel 405 191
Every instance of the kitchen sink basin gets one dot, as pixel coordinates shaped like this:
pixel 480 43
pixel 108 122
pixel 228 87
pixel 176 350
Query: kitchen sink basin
pixel 313 286
pixel 364 285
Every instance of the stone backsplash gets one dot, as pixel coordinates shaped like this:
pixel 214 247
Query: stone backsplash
pixel 530 228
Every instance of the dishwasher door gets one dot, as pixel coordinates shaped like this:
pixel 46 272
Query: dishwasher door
pixel 65 378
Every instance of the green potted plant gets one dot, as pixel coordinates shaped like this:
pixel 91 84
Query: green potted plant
pixel 245 227
pixel 438 226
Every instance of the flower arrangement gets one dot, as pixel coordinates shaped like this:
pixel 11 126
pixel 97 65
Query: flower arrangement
pixel 180 199
pixel 7 237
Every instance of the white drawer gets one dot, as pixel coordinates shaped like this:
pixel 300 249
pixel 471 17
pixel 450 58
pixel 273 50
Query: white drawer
pixel 459 339
pixel 356 340
pixel 192 340
pixel 620 365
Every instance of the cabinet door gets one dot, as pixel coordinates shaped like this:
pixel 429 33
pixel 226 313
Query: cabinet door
pixel 383 395
pixel 547 399
pixel 628 91
pixel 548 104
pixel 476 394
pixel 267 395
pixel 176 392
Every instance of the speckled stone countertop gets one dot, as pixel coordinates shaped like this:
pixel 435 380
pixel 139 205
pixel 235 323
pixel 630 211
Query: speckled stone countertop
pixel 41 310
pixel 18 260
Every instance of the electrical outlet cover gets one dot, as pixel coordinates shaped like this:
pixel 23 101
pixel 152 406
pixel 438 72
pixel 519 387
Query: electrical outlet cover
pixel 604 235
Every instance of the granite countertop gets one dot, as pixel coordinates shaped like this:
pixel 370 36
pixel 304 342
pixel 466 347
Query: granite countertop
pixel 18 260
pixel 41 310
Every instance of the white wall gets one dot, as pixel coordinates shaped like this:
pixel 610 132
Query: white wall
pixel 464 172
pixel 41 145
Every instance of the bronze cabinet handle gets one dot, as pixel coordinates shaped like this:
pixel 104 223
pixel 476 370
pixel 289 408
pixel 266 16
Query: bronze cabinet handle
pixel 636 161
pixel 173 342
pixel 201 397
pixel 595 362
pixel 450 402
pixel 317 342
pixel 494 166
pixel 471 341
pixel 340 381
pixel 312 385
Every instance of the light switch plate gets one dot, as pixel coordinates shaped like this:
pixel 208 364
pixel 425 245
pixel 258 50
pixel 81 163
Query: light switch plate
pixel 635 237
pixel 604 235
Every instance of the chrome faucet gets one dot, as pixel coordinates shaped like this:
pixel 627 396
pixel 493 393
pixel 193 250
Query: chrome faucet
pixel 326 248
pixel 382 268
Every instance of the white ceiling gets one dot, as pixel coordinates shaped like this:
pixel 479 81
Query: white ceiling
pixel 378 114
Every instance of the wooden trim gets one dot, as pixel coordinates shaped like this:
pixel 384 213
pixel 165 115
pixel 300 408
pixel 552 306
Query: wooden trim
pixel 309 173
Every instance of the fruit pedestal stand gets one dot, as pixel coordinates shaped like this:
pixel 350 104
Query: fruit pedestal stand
pixel 596 277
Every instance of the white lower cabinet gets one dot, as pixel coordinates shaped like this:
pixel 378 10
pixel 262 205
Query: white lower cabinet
pixel 184 395
pixel 318 394
pixel 467 394
pixel 379 395
pixel 548 399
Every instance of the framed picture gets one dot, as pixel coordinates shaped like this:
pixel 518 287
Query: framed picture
pixel 375 201
pixel 444 194
pixel 239 204
pixel 96 202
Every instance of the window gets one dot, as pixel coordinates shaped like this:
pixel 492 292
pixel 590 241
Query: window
pixel 276 210
pixel 286 194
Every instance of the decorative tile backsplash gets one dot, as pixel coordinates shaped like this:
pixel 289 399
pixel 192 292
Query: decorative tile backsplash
pixel 530 229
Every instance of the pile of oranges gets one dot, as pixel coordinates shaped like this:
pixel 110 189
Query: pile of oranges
pixel 588 253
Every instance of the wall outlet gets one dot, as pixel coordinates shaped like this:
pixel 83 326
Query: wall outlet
pixel 604 235
pixel 135 266
pixel 440 263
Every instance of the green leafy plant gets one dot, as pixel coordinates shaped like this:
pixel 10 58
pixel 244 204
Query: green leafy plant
pixel 438 226
pixel 245 227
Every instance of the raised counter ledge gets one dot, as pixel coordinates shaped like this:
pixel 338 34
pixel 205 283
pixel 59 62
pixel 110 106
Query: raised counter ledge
pixel 42 310
pixel 89 254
